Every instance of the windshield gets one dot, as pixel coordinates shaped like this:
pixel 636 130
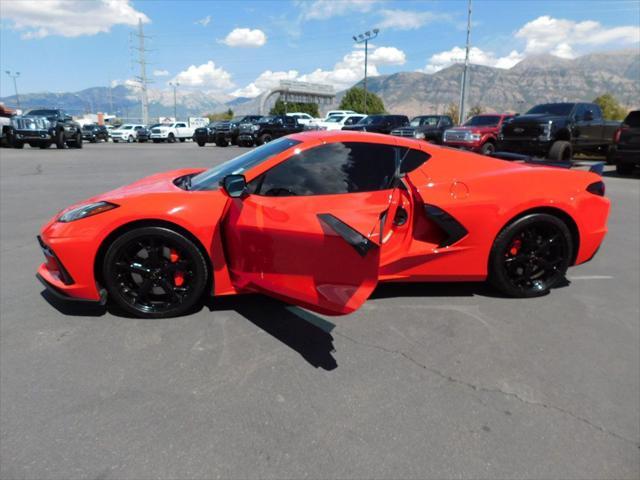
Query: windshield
pixel 210 180
pixel 420 121
pixel 482 121
pixel 371 120
pixel 552 109
pixel 126 127
pixel 335 119
pixel 266 119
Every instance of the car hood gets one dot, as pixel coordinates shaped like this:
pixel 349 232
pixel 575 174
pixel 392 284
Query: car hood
pixel 474 129
pixel 536 118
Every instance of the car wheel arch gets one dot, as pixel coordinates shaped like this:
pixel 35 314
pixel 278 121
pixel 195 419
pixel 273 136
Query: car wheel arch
pixel 563 135
pixel 558 213
pixel 126 227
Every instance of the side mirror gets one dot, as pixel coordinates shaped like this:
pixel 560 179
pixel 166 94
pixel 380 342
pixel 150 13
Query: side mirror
pixel 235 186
pixel 588 115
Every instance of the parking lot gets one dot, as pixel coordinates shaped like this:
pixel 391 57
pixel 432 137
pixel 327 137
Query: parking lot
pixel 426 380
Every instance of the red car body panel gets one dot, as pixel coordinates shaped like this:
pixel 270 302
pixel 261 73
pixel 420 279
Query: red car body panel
pixel 278 245
pixel 488 133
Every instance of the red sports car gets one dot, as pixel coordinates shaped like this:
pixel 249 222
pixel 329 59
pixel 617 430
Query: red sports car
pixel 317 219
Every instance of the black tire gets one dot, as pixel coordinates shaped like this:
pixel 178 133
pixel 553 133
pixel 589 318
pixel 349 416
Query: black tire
pixel 171 138
pixel 488 148
pixel 77 143
pixel 18 144
pixel 142 140
pixel 561 151
pixel 142 277
pixel 264 138
pixel 59 140
pixel 155 140
pixel 201 143
pixel 222 143
pixel 44 145
pixel 93 140
pixel 182 140
pixel 624 168
pixel 530 256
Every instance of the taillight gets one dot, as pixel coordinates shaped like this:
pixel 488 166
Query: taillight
pixel 597 188
pixel 617 134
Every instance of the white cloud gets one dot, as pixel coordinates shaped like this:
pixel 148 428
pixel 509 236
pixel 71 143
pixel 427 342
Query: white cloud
pixel 344 74
pixel 562 37
pixel 69 18
pixel 407 19
pixel 265 81
pixel 203 21
pixel 325 9
pixel 476 56
pixel 205 76
pixel 245 37
pixel 129 83
pixel 161 73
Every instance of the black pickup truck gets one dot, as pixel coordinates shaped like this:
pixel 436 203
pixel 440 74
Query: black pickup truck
pixel 379 123
pixel 557 131
pixel 267 129
pixel 626 150
pixel 226 132
pixel 41 128
pixel 425 127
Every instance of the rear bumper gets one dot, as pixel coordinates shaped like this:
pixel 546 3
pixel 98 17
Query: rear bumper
pixel 627 157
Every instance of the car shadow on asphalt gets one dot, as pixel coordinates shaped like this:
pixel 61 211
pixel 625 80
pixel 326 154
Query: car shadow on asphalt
pixel 301 330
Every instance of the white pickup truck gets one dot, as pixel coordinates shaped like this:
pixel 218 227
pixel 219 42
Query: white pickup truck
pixel 171 132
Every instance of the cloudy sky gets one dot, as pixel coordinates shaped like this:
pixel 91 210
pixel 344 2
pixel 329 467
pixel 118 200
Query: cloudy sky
pixel 242 48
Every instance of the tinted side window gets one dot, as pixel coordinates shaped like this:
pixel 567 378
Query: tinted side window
pixel 581 109
pixel 412 159
pixel 597 113
pixel 331 169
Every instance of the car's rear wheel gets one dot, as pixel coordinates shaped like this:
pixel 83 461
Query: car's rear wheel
pixel 530 256
pixel 201 143
pixel 155 272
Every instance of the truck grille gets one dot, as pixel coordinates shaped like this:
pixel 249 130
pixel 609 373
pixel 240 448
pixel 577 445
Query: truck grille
pixel 522 130
pixel 455 136
pixel 403 132
pixel 246 128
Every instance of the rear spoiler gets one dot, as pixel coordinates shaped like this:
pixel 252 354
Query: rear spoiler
pixel 596 168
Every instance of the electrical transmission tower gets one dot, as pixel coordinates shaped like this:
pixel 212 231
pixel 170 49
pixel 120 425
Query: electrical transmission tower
pixel 463 82
pixel 142 78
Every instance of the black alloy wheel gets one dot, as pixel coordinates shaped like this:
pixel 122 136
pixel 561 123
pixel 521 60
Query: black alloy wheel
pixel 155 272
pixel 530 256
pixel 171 138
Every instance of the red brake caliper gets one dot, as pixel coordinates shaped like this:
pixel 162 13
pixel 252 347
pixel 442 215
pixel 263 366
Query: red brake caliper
pixel 515 247
pixel 178 277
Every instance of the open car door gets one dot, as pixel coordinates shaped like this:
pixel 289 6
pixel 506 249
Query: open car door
pixel 293 238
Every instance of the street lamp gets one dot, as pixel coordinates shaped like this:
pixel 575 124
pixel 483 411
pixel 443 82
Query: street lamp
pixel 364 38
pixel 15 75
pixel 175 85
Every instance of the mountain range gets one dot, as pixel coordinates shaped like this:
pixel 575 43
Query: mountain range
pixel 536 79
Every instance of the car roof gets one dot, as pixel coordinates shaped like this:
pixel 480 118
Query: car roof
pixel 354 136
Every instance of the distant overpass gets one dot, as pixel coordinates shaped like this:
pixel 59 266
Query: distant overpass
pixel 300 92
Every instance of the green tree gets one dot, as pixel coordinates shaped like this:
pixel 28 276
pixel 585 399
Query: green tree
pixel 216 117
pixel 280 108
pixel 453 111
pixel 475 110
pixel 354 100
pixel 611 108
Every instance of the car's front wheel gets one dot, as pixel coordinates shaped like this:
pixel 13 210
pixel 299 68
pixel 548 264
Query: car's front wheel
pixel 531 255
pixel 155 272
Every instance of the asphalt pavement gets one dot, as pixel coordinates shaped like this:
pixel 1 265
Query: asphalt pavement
pixel 425 381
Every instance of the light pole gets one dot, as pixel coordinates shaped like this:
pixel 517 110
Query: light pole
pixel 15 75
pixel 365 37
pixel 463 87
pixel 175 85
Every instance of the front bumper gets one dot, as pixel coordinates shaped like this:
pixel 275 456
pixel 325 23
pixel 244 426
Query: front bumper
pixel 32 135
pixel 524 146
pixel 159 136
pixel 61 295
pixel 246 137
pixel 472 146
